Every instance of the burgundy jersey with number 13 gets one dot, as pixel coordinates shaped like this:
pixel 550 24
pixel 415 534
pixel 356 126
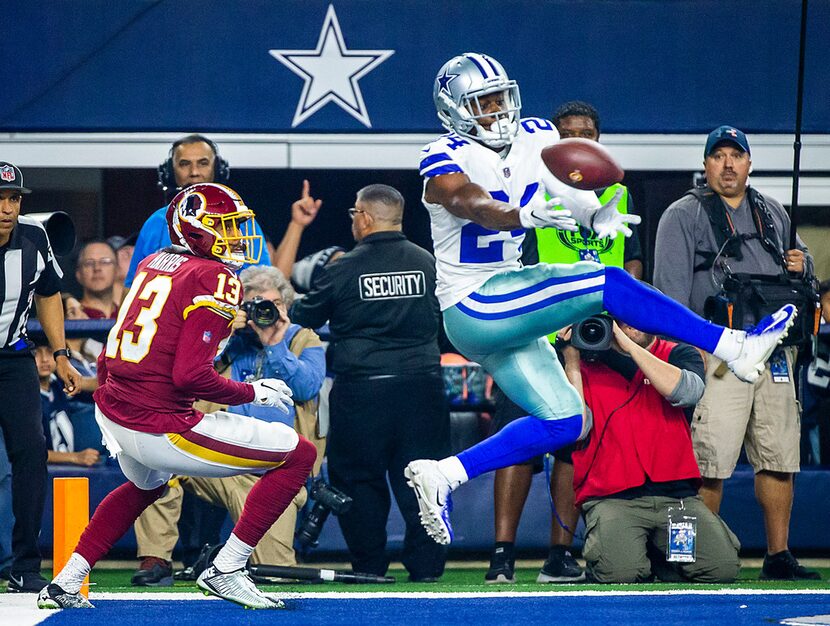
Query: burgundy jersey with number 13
pixel 159 355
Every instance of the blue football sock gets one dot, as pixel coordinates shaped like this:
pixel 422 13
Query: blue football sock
pixel 519 442
pixel 648 310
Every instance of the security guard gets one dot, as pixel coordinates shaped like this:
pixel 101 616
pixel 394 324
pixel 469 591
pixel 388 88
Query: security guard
pixel 387 403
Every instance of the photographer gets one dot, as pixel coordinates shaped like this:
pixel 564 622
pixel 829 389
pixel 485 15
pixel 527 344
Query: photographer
pixel 636 479
pixel 265 345
pixel 714 246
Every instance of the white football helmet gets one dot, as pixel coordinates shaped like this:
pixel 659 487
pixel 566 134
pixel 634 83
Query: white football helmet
pixel 459 85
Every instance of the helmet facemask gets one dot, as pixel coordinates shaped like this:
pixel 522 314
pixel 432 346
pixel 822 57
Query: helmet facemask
pixel 236 241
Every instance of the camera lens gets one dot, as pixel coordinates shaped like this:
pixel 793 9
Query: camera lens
pixel 592 331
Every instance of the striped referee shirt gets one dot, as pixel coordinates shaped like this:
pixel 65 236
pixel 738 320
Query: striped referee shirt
pixel 29 268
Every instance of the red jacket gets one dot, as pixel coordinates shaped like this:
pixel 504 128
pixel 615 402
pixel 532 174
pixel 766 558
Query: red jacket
pixel 646 439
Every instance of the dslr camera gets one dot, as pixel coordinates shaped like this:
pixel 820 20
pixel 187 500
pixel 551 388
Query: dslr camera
pixel 261 312
pixel 327 500
pixel 593 335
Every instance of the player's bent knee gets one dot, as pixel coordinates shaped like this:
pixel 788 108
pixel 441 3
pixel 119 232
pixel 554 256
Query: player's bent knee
pixel 304 455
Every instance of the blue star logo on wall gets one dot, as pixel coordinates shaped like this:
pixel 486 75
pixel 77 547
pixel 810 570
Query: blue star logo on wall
pixel 444 81
pixel 331 72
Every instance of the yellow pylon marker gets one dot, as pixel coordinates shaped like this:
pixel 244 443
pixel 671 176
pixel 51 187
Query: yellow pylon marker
pixel 71 510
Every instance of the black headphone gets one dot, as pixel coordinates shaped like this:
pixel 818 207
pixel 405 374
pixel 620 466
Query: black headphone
pixel 167 177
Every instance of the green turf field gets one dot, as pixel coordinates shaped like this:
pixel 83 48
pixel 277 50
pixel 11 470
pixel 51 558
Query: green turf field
pixel 462 580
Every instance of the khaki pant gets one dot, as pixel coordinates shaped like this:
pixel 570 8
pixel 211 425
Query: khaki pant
pixel 625 542
pixel 764 416
pixel 157 534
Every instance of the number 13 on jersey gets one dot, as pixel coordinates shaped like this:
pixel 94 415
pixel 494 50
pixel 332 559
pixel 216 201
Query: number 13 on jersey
pixel 134 346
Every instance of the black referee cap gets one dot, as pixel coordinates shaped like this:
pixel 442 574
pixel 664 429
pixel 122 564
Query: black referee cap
pixel 11 178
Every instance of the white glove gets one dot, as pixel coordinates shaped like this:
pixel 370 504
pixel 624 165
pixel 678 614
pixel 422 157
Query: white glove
pixel 272 392
pixel 607 221
pixel 539 213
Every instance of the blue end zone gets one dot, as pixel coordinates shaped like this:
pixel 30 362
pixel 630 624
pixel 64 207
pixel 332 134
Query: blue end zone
pixel 559 610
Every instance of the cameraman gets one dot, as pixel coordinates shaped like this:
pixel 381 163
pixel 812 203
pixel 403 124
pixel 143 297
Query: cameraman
pixel 271 347
pixel 636 479
pixel 729 228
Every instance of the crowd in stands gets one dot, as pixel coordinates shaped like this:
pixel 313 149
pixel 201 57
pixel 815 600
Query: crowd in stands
pixel 106 268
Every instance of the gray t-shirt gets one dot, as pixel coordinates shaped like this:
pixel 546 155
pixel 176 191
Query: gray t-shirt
pixel 685 228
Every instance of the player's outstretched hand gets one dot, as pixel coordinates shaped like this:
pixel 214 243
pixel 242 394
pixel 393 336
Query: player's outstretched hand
pixel 609 222
pixel 272 392
pixel 539 213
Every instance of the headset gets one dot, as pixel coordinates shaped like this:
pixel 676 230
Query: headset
pixel 167 176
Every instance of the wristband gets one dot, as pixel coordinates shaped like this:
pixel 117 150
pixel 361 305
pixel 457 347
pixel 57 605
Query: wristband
pixel 61 352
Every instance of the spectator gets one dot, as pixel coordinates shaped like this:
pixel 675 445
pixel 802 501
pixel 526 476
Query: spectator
pixel 62 444
pixel 691 257
pixel 30 273
pixel 193 159
pixel 512 484
pixel 387 404
pixel 637 471
pixel 280 349
pixel 96 274
pixel 124 248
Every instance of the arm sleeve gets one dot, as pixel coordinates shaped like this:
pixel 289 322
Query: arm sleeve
pixel 193 371
pixel 304 374
pixel 315 308
pixel 674 255
pixel 690 363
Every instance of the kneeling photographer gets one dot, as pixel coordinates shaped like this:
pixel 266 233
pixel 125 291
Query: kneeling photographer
pixel 265 344
pixel 636 477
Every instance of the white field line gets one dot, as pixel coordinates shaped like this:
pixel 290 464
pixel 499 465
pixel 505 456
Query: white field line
pixel 373 595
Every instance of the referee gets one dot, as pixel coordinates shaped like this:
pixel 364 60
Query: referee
pixel 387 405
pixel 29 269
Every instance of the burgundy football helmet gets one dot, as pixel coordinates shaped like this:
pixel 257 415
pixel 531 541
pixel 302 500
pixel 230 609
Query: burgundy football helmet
pixel 212 221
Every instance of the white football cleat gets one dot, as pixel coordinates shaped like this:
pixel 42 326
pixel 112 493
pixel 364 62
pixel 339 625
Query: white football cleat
pixel 760 342
pixel 236 587
pixel 53 596
pixel 432 490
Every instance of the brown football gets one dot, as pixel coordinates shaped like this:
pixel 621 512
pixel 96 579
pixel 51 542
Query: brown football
pixel 582 163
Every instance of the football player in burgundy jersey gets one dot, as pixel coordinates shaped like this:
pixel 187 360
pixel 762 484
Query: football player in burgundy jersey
pixel 159 359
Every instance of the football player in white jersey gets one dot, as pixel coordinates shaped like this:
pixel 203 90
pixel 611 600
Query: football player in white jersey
pixel 484 183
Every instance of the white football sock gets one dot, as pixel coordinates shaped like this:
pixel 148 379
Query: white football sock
pixel 233 555
pixel 730 344
pixel 73 573
pixel 453 471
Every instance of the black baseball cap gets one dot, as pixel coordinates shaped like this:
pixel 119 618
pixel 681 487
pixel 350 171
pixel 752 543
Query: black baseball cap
pixel 11 178
pixel 724 134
